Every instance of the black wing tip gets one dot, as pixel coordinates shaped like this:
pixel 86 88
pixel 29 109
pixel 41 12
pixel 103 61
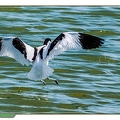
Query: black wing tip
pixel 0 43
pixel 17 38
pixel 88 41
pixel 0 40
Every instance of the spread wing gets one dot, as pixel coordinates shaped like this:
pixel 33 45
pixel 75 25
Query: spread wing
pixel 73 40
pixel 15 48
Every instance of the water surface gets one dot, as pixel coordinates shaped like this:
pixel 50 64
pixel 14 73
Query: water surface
pixel 89 80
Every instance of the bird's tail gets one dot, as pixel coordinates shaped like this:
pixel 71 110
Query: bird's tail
pixel 40 71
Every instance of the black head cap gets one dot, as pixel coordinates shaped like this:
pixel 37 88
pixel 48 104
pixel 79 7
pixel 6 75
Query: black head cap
pixel 46 41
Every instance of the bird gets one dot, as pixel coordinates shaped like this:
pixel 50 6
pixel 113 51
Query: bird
pixel 40 56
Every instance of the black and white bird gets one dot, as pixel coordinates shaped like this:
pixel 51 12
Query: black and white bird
pixel 40 56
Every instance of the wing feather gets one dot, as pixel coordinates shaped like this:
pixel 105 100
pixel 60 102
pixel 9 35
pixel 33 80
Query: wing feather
pixel 15 48
pixel 73 40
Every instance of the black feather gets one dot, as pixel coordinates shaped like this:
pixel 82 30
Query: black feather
pixel 41 53
pixel 59 38
pixel 46 41
pixel 0 43
pixel 19 45
pixel 35 53
pixel 89 41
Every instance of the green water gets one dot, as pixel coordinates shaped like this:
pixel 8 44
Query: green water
pixel 89 80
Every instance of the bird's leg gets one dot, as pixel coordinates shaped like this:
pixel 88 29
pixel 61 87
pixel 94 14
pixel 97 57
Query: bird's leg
pixel 43 82
pixel 56 81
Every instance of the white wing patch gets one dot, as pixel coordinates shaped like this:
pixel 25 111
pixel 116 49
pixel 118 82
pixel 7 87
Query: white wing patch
pixel 70 41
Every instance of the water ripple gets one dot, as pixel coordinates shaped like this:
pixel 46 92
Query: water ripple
pixel 88 80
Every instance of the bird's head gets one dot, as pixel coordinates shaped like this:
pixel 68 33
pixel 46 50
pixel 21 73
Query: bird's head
pixel 46 41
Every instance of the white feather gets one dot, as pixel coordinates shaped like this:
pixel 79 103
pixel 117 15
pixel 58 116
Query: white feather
pixel 40 70
pixel 69 42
